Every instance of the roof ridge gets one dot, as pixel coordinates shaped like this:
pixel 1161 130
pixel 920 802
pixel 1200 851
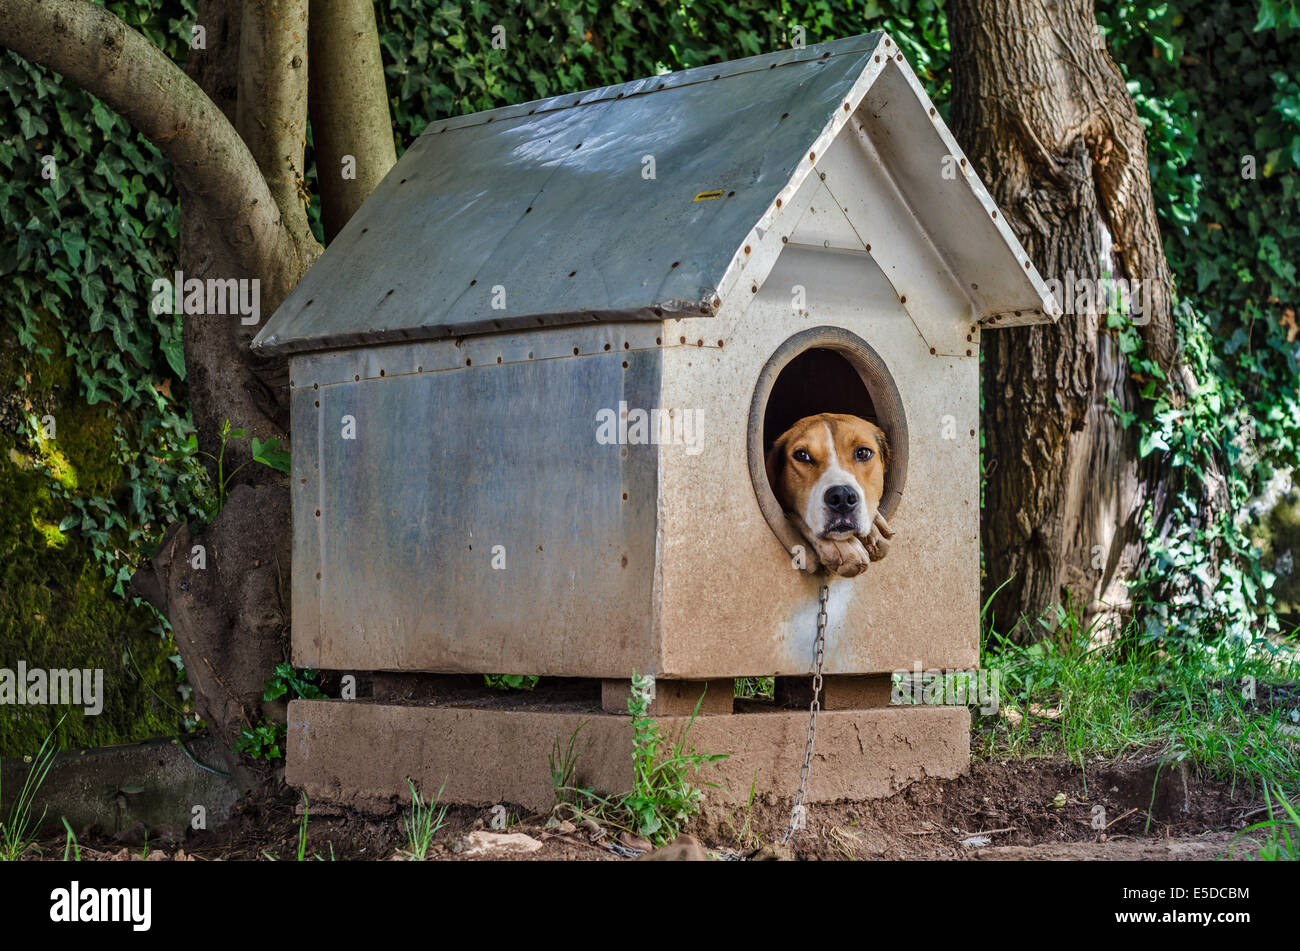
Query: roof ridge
pixel 845 46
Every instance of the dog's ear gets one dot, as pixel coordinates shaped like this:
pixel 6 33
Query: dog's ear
pixel 775 465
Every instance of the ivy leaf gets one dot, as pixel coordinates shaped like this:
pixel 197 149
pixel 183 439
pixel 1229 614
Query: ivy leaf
pixel 269 453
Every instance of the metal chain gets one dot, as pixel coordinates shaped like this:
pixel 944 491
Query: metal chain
pixel 796 812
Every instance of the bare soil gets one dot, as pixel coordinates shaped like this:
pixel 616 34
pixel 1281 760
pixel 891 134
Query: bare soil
pixel 1012 810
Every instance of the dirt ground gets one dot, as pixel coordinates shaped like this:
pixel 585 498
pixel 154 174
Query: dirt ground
pixel 1013 810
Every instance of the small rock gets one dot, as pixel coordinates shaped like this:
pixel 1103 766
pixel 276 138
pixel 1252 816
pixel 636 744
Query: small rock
pixel 479 842
pixel 684 848
pixel 563 828
pixel 134 834
pixel 167 833
pixel 630 841
pixel 773 852
pixel 593 829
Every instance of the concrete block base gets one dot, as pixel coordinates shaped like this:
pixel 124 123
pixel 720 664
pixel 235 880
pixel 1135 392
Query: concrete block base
pixel 359 753
pixel 673 697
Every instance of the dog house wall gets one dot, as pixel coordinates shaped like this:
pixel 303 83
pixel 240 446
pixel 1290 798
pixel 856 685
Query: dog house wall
pixel 730 599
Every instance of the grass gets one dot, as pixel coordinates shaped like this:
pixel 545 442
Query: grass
pixel 1205 705
pixel 18 831
pixel 70 847
pixel 663 797
pixel 748 688
pixel 1281 831
pixel 563 762
pixel 746 837
pixel 423 822
pixel 302 830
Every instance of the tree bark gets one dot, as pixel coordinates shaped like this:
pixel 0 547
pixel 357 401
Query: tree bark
pixel 271 109
pixel 1043 113
pixel 352 129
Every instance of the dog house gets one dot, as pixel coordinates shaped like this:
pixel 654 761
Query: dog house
pixel 533 381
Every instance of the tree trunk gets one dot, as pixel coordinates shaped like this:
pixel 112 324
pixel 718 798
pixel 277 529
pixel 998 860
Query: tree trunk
pixel 352 130
pixel 1044 115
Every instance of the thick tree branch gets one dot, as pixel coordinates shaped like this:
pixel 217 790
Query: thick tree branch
pixel 352 128
pixel 97 51
pixel 271 115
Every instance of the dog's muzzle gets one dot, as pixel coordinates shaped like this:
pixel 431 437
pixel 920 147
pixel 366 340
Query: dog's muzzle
pixel 841 503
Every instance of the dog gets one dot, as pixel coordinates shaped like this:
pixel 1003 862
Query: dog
pixel 828 473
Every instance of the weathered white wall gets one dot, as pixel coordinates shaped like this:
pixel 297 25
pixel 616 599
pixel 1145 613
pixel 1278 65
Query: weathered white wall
pixel 730 601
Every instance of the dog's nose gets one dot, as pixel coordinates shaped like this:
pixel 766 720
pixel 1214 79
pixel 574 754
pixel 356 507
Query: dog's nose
pixel 840 498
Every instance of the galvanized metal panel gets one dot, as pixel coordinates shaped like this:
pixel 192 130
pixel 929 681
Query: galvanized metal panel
pixel 540 215
pixel 304 494
pixel 445 467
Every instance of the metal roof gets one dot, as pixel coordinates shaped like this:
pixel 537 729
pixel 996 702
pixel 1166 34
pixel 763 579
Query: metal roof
pixel 632 202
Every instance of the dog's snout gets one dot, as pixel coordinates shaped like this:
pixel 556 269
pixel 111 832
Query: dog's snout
pixel 841 498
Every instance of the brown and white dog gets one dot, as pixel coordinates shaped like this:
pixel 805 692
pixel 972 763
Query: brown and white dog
pixel 828 473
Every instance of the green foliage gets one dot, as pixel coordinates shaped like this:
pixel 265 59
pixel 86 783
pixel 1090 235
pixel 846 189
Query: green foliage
pixel 662 797
pixel 1280 831
pixel 1218 93
pixel 71 849
pixel 59 611
pixel 1223 707
pixel 18 831
pixel 265 451
pixel 440 60
pixel 511 681
pixel 563 762
pixel 423 822
pixel 263 741
pixel 286 681
pixel 751 687
pixel 87 220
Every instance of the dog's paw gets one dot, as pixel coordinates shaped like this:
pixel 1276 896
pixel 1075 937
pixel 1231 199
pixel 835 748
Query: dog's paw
pixel 847 558
pixel 876 542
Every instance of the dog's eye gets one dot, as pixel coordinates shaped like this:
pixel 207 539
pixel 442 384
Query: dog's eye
pixel 801 455
pixel 862 454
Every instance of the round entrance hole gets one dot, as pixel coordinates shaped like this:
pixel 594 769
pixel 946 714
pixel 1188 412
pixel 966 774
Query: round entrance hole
pixel 823 370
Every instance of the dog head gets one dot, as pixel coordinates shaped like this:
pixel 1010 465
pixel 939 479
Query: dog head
pixel 830 470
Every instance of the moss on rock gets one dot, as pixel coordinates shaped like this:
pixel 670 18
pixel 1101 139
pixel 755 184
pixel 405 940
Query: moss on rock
pixel 57 606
